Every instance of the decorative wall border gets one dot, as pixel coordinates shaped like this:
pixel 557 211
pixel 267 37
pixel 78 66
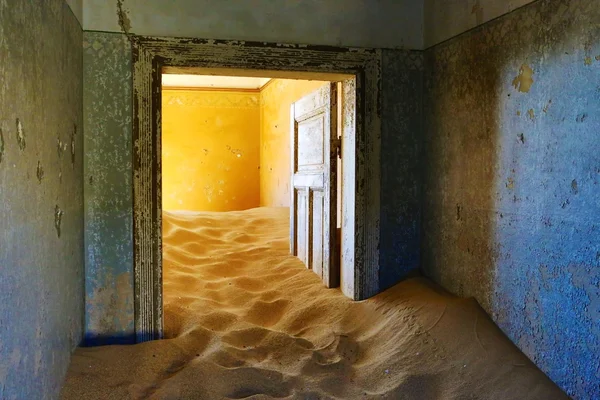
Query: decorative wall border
pixel 361 151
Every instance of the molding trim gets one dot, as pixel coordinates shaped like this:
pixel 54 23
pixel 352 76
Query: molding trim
pixel 361 172
pixel 212 89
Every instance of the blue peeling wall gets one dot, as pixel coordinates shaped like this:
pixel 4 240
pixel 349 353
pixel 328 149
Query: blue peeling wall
pixel 41 196
pixel 511 201
pixel 107 111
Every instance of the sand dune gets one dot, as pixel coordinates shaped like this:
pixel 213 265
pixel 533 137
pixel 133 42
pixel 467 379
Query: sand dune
pixel 244 320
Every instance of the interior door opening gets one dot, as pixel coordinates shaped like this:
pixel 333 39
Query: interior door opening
pixel 250 164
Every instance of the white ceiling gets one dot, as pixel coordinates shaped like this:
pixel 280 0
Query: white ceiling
pixel 209 81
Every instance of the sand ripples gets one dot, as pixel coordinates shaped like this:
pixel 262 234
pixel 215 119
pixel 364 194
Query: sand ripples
pixel 244 320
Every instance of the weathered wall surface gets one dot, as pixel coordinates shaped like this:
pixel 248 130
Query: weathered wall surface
pixel 107 111
pixel 401 130
pixel 355 23
pixel 275 102
pixel 210 150
pixel 41 205
pixel 443 19
pixel 512 186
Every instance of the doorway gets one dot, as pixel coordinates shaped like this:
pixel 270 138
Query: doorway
pixel 357 70
pixel 242 156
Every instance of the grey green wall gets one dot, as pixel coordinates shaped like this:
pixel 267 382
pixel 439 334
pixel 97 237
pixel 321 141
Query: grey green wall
pixel 41 196
pixel 354 23
pixel 443 19
pixel 511 199
pixel 107 109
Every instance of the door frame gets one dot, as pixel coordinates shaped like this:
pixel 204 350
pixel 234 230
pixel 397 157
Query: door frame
pixel 361 137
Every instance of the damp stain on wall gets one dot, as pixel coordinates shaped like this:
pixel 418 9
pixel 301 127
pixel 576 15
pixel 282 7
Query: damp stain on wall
pixel 105 304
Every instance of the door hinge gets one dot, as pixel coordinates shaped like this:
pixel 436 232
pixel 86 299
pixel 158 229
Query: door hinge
pixel 337 143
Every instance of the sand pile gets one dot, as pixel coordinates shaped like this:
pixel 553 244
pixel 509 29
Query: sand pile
pixel 244 319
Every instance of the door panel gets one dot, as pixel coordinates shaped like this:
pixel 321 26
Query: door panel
pixel 302 240
pixel 313 212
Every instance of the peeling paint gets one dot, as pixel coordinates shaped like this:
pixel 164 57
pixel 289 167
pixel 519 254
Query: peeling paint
pixel 39 172
pixel 1 144
pixel 123 18
pixel 20 135
pixel 59 147
pixel 73 134
pixel 545 109
pixel 524 80
pixel 41 277
pixel 58 214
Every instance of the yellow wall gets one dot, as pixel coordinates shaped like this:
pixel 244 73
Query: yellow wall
pixel 275 101
pixel 210 150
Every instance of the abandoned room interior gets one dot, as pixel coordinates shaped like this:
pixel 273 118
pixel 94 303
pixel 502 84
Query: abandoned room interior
pixel 300 199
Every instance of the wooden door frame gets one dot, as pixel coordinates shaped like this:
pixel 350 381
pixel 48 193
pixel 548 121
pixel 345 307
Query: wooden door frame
pixel 361 139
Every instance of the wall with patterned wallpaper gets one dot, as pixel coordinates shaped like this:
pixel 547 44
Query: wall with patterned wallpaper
pixel 511 204
pixel 210 150
pixel 108 214
pixel 41 196
pixel 275 101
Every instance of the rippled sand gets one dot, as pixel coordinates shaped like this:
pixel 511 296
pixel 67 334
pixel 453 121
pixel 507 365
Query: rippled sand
pixel 245 320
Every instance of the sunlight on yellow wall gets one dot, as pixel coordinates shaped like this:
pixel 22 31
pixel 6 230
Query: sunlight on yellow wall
pixel 210 150
pixel 275 101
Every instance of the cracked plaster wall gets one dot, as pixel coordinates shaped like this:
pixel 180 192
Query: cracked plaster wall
pixel 41 196
pixel 511 204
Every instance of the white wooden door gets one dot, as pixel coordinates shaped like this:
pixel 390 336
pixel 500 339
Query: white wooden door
pixel 313 211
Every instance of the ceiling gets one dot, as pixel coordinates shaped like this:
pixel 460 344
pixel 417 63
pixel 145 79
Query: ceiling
pixel 216 82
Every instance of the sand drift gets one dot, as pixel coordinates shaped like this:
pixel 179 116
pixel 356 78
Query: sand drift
pixel 245 320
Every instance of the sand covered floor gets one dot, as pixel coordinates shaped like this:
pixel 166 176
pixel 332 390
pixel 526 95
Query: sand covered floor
pixel 245 320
